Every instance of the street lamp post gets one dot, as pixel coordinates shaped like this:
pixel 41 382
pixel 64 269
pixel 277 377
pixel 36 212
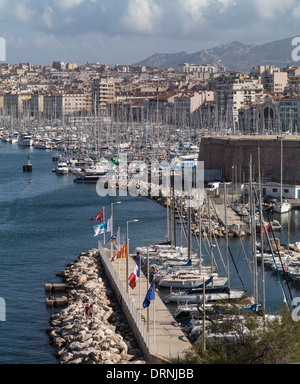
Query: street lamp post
pixel 112 224
pixel 127 258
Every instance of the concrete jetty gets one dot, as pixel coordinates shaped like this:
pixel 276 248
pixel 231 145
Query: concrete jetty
pixel 157 333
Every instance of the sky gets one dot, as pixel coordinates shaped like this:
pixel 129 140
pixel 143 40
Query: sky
pixel 128 31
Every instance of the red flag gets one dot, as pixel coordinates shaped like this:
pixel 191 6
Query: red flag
pixel 98 217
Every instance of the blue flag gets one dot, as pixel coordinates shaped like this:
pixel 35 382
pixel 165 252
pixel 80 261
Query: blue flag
pixel 150 295
pixel 102 228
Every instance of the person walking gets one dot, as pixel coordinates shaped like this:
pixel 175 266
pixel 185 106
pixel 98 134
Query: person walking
pixel 87 311
pixel 91 311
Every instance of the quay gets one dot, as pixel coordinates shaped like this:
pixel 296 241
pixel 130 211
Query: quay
pixel 164 340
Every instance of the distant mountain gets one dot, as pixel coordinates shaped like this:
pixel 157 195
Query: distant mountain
pixel 234 56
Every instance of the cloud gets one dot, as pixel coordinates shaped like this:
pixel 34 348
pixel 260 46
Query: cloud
pixel 142 16
pixel 143 27
pixel 47 16
pixel 271 10
pixel 67 4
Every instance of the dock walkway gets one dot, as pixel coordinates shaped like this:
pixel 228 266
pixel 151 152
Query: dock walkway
pixel 233 219
pixel 155 330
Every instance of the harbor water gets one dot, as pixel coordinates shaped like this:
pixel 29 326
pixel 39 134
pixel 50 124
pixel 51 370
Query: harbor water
pixel 44 225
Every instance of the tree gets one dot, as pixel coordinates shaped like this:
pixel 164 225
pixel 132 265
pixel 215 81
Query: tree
pixel 247 338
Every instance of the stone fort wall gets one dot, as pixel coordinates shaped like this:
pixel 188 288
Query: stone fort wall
pixel 224 152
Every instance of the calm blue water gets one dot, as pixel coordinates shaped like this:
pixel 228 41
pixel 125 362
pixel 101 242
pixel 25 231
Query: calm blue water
pixel 44 226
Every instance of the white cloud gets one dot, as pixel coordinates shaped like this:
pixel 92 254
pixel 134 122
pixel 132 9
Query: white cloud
pixel 23 13
pixel 47 16
pixel 270 9
pixel 142 16
pixel 67 4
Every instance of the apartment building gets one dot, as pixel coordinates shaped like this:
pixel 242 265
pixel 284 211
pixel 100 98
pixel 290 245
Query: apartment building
pixel 187 104
pixel 290 115
pixel 13 104
pixel 34 106
pixel 231 93
pixel 293 85
pixel 65 104
pixel 272 78
pixel 103 94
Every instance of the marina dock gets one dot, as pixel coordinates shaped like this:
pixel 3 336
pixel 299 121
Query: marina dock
pixel 157 333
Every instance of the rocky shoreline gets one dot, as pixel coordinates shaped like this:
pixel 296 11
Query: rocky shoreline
pixel 104 338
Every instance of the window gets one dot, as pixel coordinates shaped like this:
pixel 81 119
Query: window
pixel 286 190
pixel 274 190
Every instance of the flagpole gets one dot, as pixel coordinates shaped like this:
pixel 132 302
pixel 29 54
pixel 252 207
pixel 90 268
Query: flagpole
pixel 140 285
pixel 112 223
pixel 104 222
pixel 127 258
pixel 148 287
pixel 154 314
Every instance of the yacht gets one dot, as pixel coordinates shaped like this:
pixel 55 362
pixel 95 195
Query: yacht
pixel 26 141
pixel 92 174
pixel 62 168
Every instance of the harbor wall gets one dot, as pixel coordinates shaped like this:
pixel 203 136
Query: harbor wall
pixel 224 153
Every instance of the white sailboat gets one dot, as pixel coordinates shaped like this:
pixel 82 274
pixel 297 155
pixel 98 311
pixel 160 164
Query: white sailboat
pixel 194 296
pixel 188 280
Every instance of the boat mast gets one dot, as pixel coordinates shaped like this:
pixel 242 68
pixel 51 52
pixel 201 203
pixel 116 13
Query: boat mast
pixel 262 231
pixel 226 229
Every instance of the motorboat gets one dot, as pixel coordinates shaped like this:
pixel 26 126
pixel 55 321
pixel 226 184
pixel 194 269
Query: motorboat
pixel 26 140
pixel 62 168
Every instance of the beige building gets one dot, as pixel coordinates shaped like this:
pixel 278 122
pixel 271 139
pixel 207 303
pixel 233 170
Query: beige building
pixel 13 104
pixel 65 104
pixel 187 104
pixel 272 78
pixel 103 94
pixel 261 117
pixel 233 92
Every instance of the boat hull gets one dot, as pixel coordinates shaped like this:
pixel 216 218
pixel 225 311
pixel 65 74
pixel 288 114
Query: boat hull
pixel 282 208
pixel 195 298
pixel 176 283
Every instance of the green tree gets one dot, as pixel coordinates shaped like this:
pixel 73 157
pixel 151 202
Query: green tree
pixel 249 339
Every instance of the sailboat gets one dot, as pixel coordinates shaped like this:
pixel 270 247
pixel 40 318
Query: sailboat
pixel 194 295
pixel 281 206
pixel 212 292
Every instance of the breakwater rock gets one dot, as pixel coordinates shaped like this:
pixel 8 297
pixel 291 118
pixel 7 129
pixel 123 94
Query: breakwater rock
pixel 102 337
